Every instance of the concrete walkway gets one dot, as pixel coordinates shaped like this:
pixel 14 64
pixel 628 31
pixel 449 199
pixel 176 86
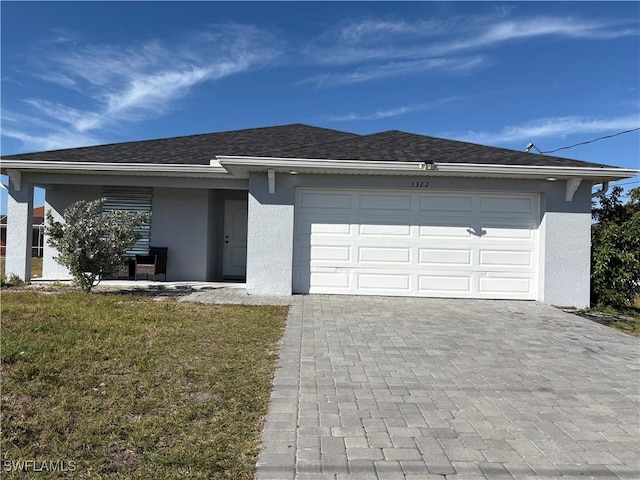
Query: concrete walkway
pixel 405 388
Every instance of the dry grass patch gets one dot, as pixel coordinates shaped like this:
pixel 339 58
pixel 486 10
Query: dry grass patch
pixel 626 320
pixel 131 387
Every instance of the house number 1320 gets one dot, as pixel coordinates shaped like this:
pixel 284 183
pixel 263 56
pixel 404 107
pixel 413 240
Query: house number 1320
pixel 420 184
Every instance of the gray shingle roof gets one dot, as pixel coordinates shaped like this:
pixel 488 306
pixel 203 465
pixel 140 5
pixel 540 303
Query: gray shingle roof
pixel 300 141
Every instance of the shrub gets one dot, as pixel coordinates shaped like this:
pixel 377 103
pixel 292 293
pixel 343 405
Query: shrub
pixel 93 244
pixel 615 259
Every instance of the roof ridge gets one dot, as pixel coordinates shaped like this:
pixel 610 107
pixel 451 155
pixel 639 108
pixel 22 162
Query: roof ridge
pixel 177 137
pixel 297 140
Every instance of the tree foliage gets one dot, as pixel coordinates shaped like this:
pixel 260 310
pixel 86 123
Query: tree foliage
pixel 91 243
pixel 615 259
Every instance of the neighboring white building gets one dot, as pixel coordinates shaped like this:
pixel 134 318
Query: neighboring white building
pixel 303 209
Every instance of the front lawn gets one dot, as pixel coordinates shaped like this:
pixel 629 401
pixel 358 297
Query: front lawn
pixel 121 386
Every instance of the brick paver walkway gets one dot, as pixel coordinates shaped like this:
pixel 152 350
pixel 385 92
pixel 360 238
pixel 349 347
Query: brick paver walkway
pixel 406 388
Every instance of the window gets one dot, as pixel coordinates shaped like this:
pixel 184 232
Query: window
pixel 131 199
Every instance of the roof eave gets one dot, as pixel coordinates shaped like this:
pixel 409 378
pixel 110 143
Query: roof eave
pixel 598 174
pixel 145 169
pixel 242 166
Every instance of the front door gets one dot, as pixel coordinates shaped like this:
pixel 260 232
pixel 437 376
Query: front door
pixel 234 248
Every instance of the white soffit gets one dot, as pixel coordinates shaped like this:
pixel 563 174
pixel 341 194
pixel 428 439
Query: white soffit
pixel 242 166
pixel 100 168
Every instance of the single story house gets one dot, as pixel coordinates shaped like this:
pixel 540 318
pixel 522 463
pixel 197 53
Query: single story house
pixel 301 209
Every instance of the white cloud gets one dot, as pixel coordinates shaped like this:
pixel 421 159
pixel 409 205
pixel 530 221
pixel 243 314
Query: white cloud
pixel 379 30
pixel 379 40
pixel 392 112
pixel 126 83
pixel 536 27
pixel 394 69
pixel 77 119
pixel 50 141
pixel 154 91
pixel 558 127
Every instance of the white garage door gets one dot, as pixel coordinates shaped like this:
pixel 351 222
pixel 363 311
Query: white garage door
pixel 424 244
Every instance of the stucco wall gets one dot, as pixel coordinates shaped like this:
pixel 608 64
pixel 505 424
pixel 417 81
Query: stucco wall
pixel 565 240
pixel 564 235
pixel 270 236
pixel 185 217
pixel 57 200
pixel 179 221
pixel 186 220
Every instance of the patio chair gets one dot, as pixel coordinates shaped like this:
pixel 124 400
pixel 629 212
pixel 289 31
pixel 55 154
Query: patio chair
pixel 153 264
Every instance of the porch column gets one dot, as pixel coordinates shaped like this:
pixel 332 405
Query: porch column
pixel 270 236
pixel 19 228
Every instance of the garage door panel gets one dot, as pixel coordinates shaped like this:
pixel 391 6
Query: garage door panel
pixel 326 200
pixel 443 256
pixel 507 233
pixel 448 231
pixel 334 280
pixel 446 203
pixel 461 245
pixel 522 205
pixel 441 284
pixel 308 226
pixel 385 202
pixel 384 255
pixel 330 240
pixel 334 253
pixel 505 285
pixel 331 228
pixel 505 258
pixel 383 282
pixel 384 230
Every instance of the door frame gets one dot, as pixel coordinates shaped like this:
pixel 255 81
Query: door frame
pixel 226 224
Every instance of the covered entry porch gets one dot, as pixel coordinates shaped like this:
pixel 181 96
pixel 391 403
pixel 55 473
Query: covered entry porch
pixel 201 221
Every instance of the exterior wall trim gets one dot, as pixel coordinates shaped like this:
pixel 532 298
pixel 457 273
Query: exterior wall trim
pixel 177 170
pixel 241 166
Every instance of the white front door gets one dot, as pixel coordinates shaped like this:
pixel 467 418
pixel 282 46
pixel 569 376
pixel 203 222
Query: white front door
pixel 424 244
pixel 234 250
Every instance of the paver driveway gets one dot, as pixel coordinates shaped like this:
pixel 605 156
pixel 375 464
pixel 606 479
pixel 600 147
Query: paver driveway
pixel 372 387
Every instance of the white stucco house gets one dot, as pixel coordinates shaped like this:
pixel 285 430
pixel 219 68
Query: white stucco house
pixel 302 209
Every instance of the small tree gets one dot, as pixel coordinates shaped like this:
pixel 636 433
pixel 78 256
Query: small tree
pixel 91 243
pixel 615 250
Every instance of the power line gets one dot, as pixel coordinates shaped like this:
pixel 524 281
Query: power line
pixel 594 140
pixel 627 183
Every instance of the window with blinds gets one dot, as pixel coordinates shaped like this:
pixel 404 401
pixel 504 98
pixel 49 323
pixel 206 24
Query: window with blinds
pixel 131 199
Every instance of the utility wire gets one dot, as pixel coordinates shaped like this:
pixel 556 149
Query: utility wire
pixel 594 140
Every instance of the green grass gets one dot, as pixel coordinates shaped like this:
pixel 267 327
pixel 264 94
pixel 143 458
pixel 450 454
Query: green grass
pixel 36 267
pixel 136 388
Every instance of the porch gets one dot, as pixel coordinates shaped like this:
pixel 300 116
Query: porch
pixel 201 221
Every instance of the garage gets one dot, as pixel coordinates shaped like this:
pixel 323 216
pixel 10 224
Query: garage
pixel 416 243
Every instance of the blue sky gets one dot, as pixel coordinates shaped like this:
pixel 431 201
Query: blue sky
pixel 503 74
